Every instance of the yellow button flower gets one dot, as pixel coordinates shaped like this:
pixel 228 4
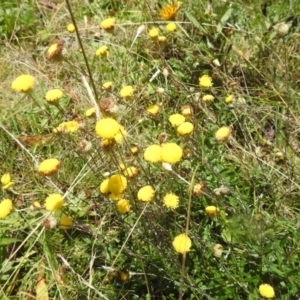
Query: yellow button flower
pixel 120 136
pixel 212 210
pixel 53 96
pixel 123 206
pixel 6 207
pixel 205 82
pixel 153 109
pixel 176 119
pixel 6 181
pixel 90 112
pixel 171 201
pixel 104 186
pixel 171 27
pixel 65 223
pixel 229 99
pixel 71 28
pixel 49 166
pixel 153 153
pixel 185 128
pixel 266 291
pixel 223 133
pixel 186 110
pixel 208 99
pixel 117 184
pixel 102 51
pixel 23 83
pixel 107 128
pixel 154 32
pixel 54 202
pixel 169 12
pixel 131 172
pixel 146 193
pixel 108 24
pixel 171 153
pixel 107 85
pixel 67 127
pixel 162 39
pixel 182 243
pixel 55 51
pixel 127 92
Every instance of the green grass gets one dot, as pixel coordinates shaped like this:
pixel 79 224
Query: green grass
pixel 258 166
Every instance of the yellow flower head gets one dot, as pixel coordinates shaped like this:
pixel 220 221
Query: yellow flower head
pixel 171 27
pixel 90 112
pixel 266 290
pixel 134 150
pixel 107 128
pixel 182 243
pixel 223 133
pixel 49 166
pixel 54 202
pixel 65 223
pixel 127 92
pixel 212 210
pixel 208 99
pixel 108 24
pixel 6 181
pixel 146 193
pixel 6 207
pixel 55 50
pixel 53 96
pixel 102 51
pixel 154 33
pixel 169 12
pixel 229 99
pixel 123 206
pixel 176 119
pixel 117 184
pixel 131 172
pixel 104 186
pixel 185 128
pixel 198 188
pixel 23 83
pixel 171 153
pixel 186 110
pixel 153 109
pixel 107 85
pixel 71 28
pixel 120 136
pixel 153 153
pixel 162 39
pixel 171 201
pixel 205 82
pixel 67 127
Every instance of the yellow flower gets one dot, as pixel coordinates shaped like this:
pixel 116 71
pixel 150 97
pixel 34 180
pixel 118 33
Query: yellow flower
pixel 102 51
pixel 182 243
pixel 134 150
pixel 90 112
pixel 217 250
pixel 154 32
pixel 176 119
pixel 229 99
pixel 186 110
pixel 146 193
pixel 117 184
pixel 171 27
pixel 124 275
pixel 115 197
pixel 123 206
pixel 205 82
pixel 23 83
pixel 120 136
pixel 131 172
pixel 53 96
pixel 171 201
pixel 54 202
pixel 171 153
pixel 55 50
pixel 198 188
pixel 6 181
pixel 185 128
pixel 153 153
pixel 223 133
pixel 67 127
pixel 169 12
pixel 71 27
pixel 65 223
pixel 208 99
pixel 104 186
pixel 266 290
pixel 107 128
pixel 49 166
pixel 108 24
pixel 6 207
pixel 212 210
pixel 127 92
pixel 162 39
pixel 107 85
pixel 153 109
